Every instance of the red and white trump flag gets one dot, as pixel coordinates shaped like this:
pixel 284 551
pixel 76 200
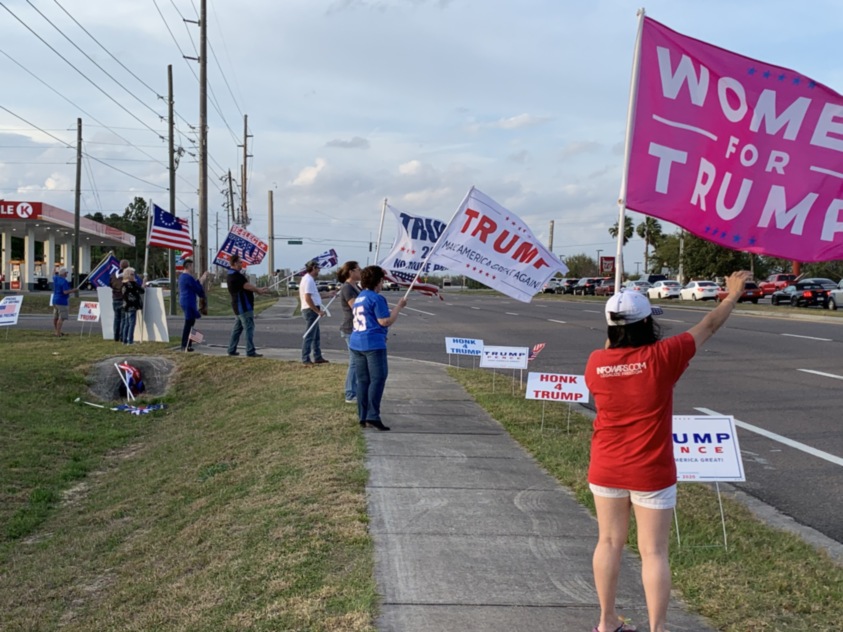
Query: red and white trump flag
pixel 486 242
pixel 740 152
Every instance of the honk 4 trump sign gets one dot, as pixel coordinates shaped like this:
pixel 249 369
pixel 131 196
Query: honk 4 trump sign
pixel 557 387
pixel 737 151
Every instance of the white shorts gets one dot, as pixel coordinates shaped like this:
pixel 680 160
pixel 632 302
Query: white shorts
pixel 660 499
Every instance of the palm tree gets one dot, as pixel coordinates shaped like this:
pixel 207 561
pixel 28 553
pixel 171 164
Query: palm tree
pixel 628 230
pixel 651 232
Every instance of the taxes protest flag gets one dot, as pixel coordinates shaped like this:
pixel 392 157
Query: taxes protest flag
pixel 241 242
pixel 415 239
pixel 740 152
pixel 490 244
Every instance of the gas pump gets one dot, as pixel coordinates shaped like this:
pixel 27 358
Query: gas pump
pixel 14 279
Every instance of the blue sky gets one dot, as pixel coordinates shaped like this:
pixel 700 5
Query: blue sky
pixel 352 101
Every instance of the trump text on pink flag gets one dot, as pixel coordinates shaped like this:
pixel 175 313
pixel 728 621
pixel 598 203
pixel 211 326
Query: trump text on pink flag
pixel 739 152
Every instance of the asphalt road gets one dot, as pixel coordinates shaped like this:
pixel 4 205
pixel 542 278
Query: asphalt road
pixel 781 378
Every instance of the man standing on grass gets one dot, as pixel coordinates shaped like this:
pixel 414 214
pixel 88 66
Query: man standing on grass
pixel 243 303
pixel 311 310
pixel 61 293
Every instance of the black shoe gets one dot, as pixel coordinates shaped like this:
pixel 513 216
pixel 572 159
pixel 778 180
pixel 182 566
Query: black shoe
pixel 233 353
pixel 362 424
pixel 321 361
pixel 255 355
pixel 377 424
pixel 188 350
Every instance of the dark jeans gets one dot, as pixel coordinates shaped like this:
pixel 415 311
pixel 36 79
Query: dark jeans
pixel 351 374
pixel 245 322
pixel 129 318
pixel 185 333
pixel 372 371
pixel 117 306
pixel 312 341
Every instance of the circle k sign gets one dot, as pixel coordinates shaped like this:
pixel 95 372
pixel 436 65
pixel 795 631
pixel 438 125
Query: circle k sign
pixel 24 210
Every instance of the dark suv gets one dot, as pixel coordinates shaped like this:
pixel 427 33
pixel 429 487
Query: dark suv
pixel 586 285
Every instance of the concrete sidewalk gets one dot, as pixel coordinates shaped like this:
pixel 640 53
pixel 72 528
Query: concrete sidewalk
pixel 470 533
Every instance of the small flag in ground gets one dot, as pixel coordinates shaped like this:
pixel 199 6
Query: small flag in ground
pixel 142 409
pixel 196 336
pixel 536 350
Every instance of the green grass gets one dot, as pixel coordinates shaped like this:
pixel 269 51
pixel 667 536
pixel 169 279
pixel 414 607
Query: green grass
pixel 235 508
pixel 766 580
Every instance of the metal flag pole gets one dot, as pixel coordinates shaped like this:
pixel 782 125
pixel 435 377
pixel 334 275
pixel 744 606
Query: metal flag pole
pixel 318 318
pixel 149 213
pixel 380 234
pixel 627 150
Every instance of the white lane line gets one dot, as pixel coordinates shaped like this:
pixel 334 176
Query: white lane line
pixel 561 322
pixel 775 437
pixel 510 313
pixel 836 377
pixel 807 337
pixel 412 309
pixel 592 311
pixel 670 320
pixel 472 307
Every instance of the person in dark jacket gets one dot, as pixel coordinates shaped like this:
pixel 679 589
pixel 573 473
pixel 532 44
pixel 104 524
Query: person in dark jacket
pixel 190 290
pixel 116 284
pixel 243 303
pixel 132 301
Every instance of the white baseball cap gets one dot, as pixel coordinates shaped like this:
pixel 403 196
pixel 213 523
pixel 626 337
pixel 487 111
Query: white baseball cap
pixel 628 308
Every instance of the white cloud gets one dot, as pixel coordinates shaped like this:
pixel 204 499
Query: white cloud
pixel 354 143
pixel 307 176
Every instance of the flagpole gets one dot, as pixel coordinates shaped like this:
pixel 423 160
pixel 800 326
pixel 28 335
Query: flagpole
pixel 96 269
pixel 438 241
pixel 318 318
pixel 627 150
pixel 148 226
pixel 380 234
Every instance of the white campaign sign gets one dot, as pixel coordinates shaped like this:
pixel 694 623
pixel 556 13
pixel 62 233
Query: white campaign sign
pixel 89 312
pixel 10 310
pixel 463 346
pixel 557 387
pixel 151 325
pixel 504 357
pixel 706 449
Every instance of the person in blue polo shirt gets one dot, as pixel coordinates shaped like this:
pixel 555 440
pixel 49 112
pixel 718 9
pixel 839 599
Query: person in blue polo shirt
pixel 243 303
pixel 371 320
pixel 61 294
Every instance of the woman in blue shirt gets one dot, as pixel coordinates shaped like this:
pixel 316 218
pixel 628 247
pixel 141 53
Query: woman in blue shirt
pixel 371 320
pixel 190 289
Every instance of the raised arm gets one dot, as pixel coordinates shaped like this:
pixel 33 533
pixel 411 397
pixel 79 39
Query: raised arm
pixel 393 315
pixel 705 329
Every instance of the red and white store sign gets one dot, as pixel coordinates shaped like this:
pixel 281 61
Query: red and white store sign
pixel 20 210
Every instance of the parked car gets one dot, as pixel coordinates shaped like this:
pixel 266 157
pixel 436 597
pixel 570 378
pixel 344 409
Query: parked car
pixel 567 287
pixel 751 292
pixel 292 285
pixel 664 289
pixel 637 286
pixel 827 284
pixel 653 278
pixel 586 285
pixel 699 291
pixel 776 282
pixel 801 294
pixel 835 296
pixel 606 287
pixel 389 285
pixel 322 286
pixel 163 283
pixel 552 286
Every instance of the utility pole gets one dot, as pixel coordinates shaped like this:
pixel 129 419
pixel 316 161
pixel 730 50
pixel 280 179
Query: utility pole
pixel 681 274
pixel 172 152
pixel 244 209
pixel 217 231
pixel 77 204
pixel 231 199
pixel 550 239
pixel 271 227
pixel 202 245
pixel 599 267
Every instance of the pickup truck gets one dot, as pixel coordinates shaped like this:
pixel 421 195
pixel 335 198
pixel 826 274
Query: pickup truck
pixel 776 282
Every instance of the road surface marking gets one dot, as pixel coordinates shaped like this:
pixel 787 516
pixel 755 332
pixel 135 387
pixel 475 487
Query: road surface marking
pixel 421 311
pixel 561 322
pixel 836 377
pixel 472 307
pixel 807 337
pixel 775 437
pixel 670 320
pixel 592 311
pixel 510 313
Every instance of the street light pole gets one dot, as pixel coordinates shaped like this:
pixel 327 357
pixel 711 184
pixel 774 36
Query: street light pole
pixel 599 269
pixel 637 263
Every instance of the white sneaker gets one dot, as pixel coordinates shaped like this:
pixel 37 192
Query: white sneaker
pixel 351 401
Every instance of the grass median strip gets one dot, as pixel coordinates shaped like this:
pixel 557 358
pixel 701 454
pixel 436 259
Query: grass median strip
pixel 767 579
pixel 241 506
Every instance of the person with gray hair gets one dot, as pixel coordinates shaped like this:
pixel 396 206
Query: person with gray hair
pixel 61 292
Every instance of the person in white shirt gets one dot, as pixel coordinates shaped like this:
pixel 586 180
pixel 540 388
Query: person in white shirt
pixel 311 310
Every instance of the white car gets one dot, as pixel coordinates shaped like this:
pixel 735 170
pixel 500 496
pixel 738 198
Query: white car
pixel 637 286
pixel 699 291
pixel 664 289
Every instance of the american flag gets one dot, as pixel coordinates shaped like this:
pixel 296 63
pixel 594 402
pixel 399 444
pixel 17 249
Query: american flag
pixel 169 231
pixel 142 409
pixel 404 279
pixel 196 336
pixel 536 350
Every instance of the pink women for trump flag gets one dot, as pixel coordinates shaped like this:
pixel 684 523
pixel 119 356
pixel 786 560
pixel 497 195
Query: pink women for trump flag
pixel 740 152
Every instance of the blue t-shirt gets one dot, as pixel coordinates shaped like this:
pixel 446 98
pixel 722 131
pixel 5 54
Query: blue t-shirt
pixel 368 334
pixel 60 286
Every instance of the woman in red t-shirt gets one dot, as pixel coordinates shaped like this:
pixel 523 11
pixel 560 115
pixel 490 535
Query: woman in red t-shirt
pixel 632 464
